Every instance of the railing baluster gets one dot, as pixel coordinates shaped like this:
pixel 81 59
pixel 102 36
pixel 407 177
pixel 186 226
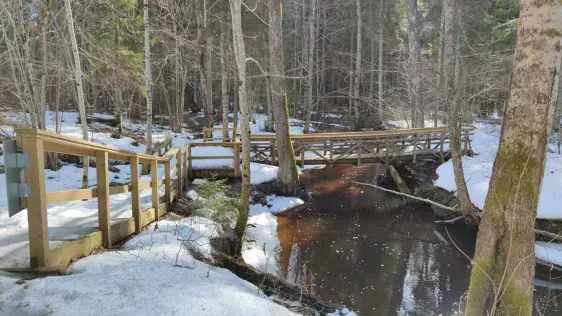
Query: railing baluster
pixel 154 186
pixel 135 193
pixel 104 218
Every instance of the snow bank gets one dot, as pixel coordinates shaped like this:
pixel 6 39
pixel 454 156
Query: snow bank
pixel 261 246
pixel 154 275
pixel 478 172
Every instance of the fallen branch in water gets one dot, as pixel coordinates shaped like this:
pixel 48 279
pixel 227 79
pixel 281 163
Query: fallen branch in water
pixel 449 221
pixel 410 197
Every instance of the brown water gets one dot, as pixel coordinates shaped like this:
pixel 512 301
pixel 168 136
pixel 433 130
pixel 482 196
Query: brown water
pixel 364 248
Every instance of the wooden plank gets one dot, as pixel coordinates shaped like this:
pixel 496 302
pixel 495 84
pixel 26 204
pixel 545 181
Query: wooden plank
pixel 190 164
pixel 211 157
pixel 147 217
pixel 135 193
pixel 179 173
pixel 122 229
pixel 104 219
pixel 144 185
pixel 71 195
pixel 79 248
pixel 37 201
pixel 119 189
pixel 236 164
pixel 154 178
pixel 167 184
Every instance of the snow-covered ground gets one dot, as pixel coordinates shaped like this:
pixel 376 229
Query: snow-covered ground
pixel 262 245
pixel 478 172
pixel 153 275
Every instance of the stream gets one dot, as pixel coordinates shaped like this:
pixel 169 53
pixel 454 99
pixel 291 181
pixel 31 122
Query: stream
pixel 377 255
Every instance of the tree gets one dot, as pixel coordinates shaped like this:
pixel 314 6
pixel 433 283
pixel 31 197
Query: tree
pixel 79 87
pixel 503 270
pixel 224 82
pixel 288 175
pixel 310 66
pixel 414 45
pixel 240 57
pixel 357 83
pixel 148 80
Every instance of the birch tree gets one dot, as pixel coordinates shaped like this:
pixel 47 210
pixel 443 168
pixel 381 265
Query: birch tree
pixel 79 87
pixel 504 263
pixel 310 66
pixel 240 57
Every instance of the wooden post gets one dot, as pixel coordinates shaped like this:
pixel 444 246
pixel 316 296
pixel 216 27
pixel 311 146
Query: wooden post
pixel 185 170
pixel 37 202
pixel 104 219
pixel 387 157
pixel 179 172
pixel 359 156
pixel 415 148
pixel 135 193
pixel 302 155
pixel 273 152
pixel 189 163
pixel 441 151
pixel 331 151
pixel 236 159
pixel 167 184
pixel 154 186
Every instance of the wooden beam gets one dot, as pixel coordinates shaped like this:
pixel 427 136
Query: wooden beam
pixel 104 218
pixel 37 202
pixel 154 186
pixel 167 184
pixel 135 193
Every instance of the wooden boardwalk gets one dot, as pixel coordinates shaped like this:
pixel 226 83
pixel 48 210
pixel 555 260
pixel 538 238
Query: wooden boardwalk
pixel 363 147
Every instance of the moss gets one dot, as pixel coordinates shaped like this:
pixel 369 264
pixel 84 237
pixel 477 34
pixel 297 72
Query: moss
pixel 480 287
pixel 515 303
pixel 552 32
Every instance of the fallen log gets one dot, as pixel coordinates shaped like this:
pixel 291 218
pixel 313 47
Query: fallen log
pixel 272 285
pixel 399 182
pixel 545 229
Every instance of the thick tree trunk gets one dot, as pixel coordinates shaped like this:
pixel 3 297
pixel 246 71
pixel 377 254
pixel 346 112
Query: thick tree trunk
pixel 79 86
pixel 357 83
pixel 240 57
pixel 288 174
pixel 504 263
pixel 372 66
pixel 310 66
pixel 415 64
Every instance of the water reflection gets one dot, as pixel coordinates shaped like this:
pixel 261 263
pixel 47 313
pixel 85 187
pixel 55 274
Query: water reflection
pixel 364 248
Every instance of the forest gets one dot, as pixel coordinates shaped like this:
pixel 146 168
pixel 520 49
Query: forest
pixel 338 157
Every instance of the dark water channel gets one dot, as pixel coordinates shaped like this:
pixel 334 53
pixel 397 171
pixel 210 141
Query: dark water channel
pixel 365 248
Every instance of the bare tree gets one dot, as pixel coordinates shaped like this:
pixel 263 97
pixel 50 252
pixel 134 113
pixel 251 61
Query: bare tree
pixel 414 45
pixel 504 261
pixel 240 57
pixel 310 66
pixel 357 83
pixel 79 87
pixel 288 175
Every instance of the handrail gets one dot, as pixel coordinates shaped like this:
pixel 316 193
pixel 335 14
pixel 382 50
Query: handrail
pixel 35 143
pixel 208 133
pixel 164 145
pixel 236 157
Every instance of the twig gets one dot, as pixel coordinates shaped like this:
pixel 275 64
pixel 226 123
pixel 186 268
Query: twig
pixel 411 197
pixel 556 237
pixel 449 221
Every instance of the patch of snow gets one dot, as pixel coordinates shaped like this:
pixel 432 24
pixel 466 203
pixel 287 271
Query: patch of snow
pixel 154 275
pixel 262 246
pixel 550 252
pixel 192 195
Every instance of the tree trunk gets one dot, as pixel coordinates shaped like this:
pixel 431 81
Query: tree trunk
pixel 415 64
pixel 148 83
pixel 240 57
pixel 310 66
pixel 381 58
pixel 288 175
pixel 504 261
pixel 451 76
pixel 79 87
pixel 357 83
pixel 373 48
pixel 224 83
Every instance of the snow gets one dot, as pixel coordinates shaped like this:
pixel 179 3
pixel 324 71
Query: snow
pixel 153 275
pixel 262 245
pixel 478 172
pixel 550 252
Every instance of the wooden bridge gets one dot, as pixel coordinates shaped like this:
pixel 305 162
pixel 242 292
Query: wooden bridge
pixel 363 147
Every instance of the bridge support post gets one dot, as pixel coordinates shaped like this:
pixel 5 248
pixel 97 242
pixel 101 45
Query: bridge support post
pixel 135 193
pixel 236 159
pixel 37 202
pixel 415 148
pixel 104 219
pixel 167 184
pixel 441 144
pixel 179 173
pixel 154 187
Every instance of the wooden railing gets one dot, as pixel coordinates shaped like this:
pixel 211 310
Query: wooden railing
pixel 235 157
pixel 35 143
pixel 162 147
pixel 358 147
pixel 208 134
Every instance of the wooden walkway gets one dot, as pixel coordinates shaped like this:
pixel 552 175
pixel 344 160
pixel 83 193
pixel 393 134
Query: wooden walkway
pixel 363 147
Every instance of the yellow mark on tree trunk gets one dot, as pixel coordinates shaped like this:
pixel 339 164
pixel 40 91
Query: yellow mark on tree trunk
pixel 281 8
